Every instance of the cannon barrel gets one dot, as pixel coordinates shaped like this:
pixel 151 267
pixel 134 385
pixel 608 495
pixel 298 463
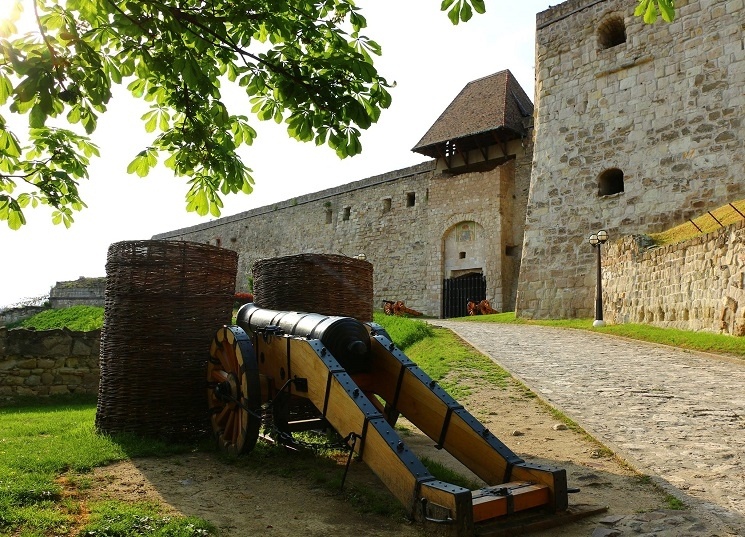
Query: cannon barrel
pixel 346 338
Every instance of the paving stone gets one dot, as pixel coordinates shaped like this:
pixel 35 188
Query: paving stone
pixel 672 414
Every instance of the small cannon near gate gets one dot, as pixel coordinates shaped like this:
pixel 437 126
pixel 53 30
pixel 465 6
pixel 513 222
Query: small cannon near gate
pixel 479 308
pixel 309 371
pixel 398 308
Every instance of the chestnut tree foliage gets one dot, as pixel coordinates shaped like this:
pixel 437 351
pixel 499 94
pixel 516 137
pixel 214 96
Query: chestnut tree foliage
pixel 304 63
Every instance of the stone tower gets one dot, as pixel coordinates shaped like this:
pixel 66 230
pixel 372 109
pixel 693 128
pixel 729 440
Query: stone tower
pixel 637 128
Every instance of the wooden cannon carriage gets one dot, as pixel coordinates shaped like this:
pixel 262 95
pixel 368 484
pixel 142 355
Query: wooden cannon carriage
pixel 357 382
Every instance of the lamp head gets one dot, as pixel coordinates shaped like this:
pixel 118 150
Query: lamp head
pixel 594 239
pixel 602 236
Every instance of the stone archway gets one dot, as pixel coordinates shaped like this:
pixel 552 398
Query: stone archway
pixel 465 249
pixel 464 256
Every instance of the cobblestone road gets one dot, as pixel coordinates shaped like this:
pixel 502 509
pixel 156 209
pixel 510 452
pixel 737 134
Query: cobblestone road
pixel 675 415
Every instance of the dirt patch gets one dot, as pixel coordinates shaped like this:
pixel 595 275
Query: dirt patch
pixel 243 501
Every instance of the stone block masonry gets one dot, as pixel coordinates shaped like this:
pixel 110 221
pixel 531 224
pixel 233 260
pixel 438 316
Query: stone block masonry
pixel 83 291
pixel 13 315
pixel 637 128
pixel 400 221
pixel 698 284
pixel 48 362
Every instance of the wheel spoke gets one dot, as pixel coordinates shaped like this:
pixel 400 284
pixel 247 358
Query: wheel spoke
pixel 233 373
pixel 225 361
pixel 218 376
pixel 222 416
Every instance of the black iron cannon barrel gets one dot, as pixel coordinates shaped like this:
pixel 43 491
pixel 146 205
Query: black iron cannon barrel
pixel 345 337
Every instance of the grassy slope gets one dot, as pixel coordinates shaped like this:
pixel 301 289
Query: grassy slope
pixel 706 223
pixel 80 318
pixel 685 339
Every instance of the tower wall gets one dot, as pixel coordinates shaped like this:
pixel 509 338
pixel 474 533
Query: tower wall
pixel 665 108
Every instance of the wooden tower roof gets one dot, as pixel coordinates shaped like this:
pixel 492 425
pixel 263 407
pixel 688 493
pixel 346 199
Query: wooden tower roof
pixel 487 111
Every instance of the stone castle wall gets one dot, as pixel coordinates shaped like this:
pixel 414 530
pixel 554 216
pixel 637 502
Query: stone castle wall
pixel 399 220
pixel 84 291
pixel 48 362
pixel 698 284
pixel 665 108
pixel 13 315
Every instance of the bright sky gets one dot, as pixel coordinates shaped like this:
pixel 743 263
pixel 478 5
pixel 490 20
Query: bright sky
pixel 430 60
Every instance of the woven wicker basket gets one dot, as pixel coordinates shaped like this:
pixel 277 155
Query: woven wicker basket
pixel 316 283
pixel 164 302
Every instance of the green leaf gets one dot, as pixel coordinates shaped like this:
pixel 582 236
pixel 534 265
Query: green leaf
pixel 479 6
pixel 641 8
pixel 215 209
pixel 73 116
pixel 37 117
pixel 164 119
pixel 466 12
pixel 454 13
pixel 355 146
pixel 198 202
pixel 650 16
pixel 142 163
pixel 16 220
pixel 151 120
pixel 667 9
pixel 6 89
pixel 9 144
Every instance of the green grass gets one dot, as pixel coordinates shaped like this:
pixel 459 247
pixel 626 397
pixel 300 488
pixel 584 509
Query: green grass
pixel 674 503
pixel 443 473
pixel 403 330
pixel 684 339
pixel 455 365
pixel 115 519
pixel 79 318
pixel 40 442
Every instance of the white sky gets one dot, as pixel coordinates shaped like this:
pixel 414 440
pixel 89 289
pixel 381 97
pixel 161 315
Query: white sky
pixel 430 60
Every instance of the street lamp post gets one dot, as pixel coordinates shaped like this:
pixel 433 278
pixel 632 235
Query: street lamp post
pixel 597 240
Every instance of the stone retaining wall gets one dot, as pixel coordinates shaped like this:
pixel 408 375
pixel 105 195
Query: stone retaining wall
pixel 13 315
pixel 48 362
pixel 698 284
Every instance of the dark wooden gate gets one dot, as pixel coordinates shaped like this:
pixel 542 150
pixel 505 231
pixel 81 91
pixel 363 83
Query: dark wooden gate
pixel 457 291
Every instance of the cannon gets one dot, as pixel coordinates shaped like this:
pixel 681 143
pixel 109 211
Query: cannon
pixel 398 308
pixel 479 308
pixel 306 370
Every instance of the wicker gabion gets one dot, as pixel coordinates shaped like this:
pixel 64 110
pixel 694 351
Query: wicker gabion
pixel 329 284
pixel 164 302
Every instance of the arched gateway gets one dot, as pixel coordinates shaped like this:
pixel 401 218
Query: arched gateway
pixel 465 249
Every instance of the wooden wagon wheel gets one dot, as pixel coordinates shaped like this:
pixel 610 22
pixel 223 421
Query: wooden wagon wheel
pixel 234 390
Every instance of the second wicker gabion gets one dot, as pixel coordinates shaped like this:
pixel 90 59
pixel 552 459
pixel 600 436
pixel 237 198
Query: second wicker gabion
pixel 329 284
pixel 164 302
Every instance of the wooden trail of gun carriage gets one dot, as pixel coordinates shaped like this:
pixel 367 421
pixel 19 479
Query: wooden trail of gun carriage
pixel 275 373
pixel 276 365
